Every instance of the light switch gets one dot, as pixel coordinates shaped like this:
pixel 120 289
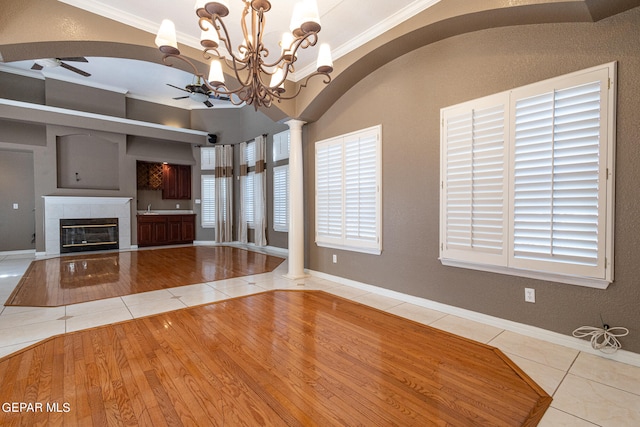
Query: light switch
pixel 15 206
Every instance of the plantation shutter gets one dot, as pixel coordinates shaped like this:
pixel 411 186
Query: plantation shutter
pixel 558 170
pixel 208 204
pixel 281 198
pixel 249 199
pixel 473 208
pixel 361 187
pixel 207 158
pixel 329 192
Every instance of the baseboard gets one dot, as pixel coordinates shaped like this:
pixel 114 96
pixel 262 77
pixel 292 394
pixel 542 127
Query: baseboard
pixel 20 252
pixel 622 356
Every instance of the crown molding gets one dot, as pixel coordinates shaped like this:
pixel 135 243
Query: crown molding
pixel 373 32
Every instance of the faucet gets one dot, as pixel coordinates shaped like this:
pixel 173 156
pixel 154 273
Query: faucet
pixel 149 207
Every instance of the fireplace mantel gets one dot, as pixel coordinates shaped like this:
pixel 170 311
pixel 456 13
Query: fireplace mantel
pixel 75 207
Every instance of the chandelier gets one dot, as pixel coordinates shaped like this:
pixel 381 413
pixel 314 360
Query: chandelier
pixel 261 82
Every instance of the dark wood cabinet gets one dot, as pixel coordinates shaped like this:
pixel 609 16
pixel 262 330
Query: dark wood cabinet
pixel 156 230
pixel 176 182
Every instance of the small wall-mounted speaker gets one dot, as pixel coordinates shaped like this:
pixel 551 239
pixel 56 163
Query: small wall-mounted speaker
pixel 212 139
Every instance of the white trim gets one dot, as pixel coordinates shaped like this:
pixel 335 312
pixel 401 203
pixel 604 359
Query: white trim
pixel 589 282
pixel 366 36
pixel 74 200
pixel 622 356
pixel 20 252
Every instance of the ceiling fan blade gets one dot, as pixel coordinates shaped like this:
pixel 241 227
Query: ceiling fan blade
pixel 74 69
pixel 74 59
pixel 218 97
pixel 208 104
pixel 179 88
pixel 182 97
pixel 37 67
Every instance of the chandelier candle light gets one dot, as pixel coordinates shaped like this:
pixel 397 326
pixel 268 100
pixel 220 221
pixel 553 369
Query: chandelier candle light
pixel 260 82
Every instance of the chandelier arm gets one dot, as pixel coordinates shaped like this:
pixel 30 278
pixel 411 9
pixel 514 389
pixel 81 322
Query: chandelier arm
pixel 183 59
pixel 297 44
pixel 306 81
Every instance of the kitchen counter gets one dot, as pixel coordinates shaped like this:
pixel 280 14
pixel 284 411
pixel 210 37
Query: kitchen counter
pixel 166 212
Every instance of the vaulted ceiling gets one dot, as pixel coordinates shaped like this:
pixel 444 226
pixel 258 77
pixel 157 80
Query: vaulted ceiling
pixel 364 37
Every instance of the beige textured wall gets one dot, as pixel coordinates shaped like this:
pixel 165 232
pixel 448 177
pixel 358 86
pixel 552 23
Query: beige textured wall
pixel 406 96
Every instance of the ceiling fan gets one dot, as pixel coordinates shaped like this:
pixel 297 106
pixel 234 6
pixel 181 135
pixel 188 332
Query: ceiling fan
pixel 59 62
pixel 199 93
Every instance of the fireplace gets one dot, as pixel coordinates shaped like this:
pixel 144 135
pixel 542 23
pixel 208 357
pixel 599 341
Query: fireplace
pixel 88 234
pixel 57 208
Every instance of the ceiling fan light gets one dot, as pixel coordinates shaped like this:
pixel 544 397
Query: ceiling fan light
pixel 47 62
pixel 325 63
pixel 216 76
pixel 198 97
pixel 166 38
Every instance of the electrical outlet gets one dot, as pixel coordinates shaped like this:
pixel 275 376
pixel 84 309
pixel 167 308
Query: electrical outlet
pixel 529 295
pixel 177 205
pixel 335 258
pixel 15 206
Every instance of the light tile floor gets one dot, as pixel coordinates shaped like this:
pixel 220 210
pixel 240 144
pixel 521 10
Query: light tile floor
pixel 587 390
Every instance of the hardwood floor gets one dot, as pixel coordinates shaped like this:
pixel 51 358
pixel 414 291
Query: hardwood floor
pixel 80 278
pixel 295 358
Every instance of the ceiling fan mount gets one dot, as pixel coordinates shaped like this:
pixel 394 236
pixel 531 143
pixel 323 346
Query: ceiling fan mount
pixel 199 92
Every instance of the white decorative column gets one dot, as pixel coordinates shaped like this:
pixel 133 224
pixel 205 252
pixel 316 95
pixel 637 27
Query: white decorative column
pixel 296 201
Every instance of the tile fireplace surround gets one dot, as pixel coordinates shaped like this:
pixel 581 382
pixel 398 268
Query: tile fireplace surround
pixel 70 207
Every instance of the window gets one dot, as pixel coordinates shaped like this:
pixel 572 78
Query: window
pixel 207 158
pixel 281 198
pixel 527 180
pixel 281 149
pixel 248 190
pixel 248 195
pixel 348 195
pixel 281 145
pixel 209 200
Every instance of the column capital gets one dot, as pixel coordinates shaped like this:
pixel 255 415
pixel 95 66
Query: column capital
pixel 295 123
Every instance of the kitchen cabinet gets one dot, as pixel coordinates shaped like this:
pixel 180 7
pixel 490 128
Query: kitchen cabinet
pixel 176 182
pixel 157 230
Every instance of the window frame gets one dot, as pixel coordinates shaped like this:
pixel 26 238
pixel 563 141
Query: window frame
pixel 599 276
pixel 334 234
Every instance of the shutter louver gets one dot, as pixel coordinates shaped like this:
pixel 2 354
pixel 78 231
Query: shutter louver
pixel 208 205
pixel 475 181
pixel 281 198
pixel 249 198
pixel 329 191
pixel 360 184
pixel 348 195
pixel 557 170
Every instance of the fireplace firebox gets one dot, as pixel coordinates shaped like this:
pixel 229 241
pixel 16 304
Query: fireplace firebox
pixel 88 234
